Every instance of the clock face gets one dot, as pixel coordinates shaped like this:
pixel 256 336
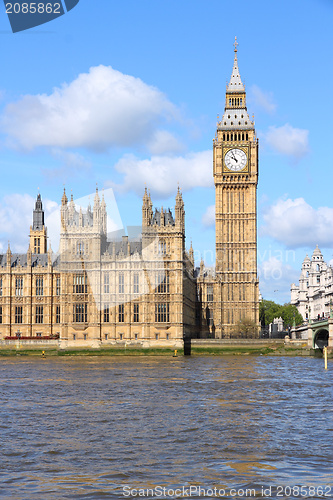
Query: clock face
pixel 235 159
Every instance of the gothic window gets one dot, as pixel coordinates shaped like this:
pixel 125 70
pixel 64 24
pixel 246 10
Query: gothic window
pixel 39 286
pixel 80 283
pixel 229 101
pixel 241 101
pixel 58 314
pixel 136 283
pixel 136 313
pixel 162 282
pixel 209 317
pixel 318 279
pixel 106 314
pixel 18 314
pixel 36 245
pixel 19 286
pixel 121 283
pixel 162 313
pixel 58 289
pixel 39 314
pixel 80 248
pixel 106 283
pixel 0 314
pixel 318 269
pixel 162 247
pixel 80 313
pixel 121 314
pixel 0 287
pixel 210 294
pixel 247 136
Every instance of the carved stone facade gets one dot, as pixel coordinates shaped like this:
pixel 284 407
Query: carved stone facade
pixel 235 168
pixel 146 291
pixel 99 292
pixel 313 297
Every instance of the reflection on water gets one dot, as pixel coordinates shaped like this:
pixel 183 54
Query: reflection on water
pixel 87 427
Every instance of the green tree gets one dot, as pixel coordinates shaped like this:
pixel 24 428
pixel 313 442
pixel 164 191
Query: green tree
pixel 246 328
pixel 289 313
pixel 268 310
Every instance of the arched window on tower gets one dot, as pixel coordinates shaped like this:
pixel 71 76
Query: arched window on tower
pixel 162 247
pixel 241 101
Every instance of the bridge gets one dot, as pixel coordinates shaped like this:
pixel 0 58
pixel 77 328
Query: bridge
pixel 319 332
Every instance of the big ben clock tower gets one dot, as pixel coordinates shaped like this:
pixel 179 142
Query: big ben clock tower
pixel 235 165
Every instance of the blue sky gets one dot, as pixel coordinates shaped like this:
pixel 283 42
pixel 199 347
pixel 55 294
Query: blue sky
pixel 124 94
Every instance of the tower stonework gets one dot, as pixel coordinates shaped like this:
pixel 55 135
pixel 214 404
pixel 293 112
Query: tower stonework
pixel 235 168
pixel 38 231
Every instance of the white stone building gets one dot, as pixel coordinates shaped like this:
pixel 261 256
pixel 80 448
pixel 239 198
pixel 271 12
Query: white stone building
pixel 313 297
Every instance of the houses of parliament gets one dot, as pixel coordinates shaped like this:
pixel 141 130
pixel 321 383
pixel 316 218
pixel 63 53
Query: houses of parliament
pixel 145 291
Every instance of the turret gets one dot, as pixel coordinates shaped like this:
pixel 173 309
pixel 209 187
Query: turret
pixel 9 257
pixel 179 211
pixel 147 209
pixel 103 215
pixel 97 210
pixel 38 231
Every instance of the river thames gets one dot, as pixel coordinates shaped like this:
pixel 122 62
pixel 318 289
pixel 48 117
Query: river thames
pixel 164 427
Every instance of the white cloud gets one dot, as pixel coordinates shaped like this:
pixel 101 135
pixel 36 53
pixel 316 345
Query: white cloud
pixel 163 142
pixel 296 224
pixel 162 173
pixel 275 278
pixel 262 99
pixel 208 218
pixel 71 164
pixel 288 140
pixel 16 218
pixel 98 109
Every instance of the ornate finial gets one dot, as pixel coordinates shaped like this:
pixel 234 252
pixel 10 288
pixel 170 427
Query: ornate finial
pixel 235 44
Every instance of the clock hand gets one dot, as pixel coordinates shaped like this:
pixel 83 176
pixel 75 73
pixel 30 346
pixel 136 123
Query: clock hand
pixel 234 157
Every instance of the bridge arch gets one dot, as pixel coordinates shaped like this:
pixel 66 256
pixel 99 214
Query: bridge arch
pixel 321 338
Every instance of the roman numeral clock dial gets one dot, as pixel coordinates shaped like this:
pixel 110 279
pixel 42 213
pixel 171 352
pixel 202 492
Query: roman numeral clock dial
pixel 235 160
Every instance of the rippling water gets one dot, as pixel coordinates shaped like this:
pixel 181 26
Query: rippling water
pixel 95 428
